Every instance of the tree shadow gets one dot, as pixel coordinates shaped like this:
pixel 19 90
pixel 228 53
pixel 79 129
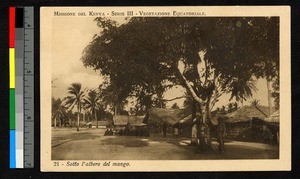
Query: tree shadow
pixel 126 141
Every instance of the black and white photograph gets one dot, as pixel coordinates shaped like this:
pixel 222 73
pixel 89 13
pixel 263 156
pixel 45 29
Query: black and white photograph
pixel 129 89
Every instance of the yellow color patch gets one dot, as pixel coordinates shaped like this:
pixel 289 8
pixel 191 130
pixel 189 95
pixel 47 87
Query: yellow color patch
pixel 12 75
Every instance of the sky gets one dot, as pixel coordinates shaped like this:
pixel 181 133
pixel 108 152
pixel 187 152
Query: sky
pixel 70 35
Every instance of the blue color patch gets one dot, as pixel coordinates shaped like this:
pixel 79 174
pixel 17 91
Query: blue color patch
pixel 12 149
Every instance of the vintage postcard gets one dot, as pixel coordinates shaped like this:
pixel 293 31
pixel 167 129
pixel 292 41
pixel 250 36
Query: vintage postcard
pixel 165 88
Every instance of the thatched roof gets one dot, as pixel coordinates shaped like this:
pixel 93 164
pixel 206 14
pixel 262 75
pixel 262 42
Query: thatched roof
pixel 136 120
pixel 101 123
pixel 120 120
pixel 160 115
pixel 246 113
pixel 274 118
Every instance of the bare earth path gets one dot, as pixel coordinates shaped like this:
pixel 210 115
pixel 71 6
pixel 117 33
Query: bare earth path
pixel 90 144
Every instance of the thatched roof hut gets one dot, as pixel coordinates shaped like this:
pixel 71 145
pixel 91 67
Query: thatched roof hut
pixel 136 120
pixel 246 113
pixel 100 123
pixel 157 116
pixel 120 120
pixel 123 120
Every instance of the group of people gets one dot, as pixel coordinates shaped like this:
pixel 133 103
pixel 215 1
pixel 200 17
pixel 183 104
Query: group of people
pixel 109 132
pixel 127 131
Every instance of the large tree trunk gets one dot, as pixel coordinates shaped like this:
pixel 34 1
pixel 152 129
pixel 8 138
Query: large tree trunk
pixel 269 97
pixel 78 117
pixel 194 138
pixel 160 100
pixel 205 128
pixel 60 122
pixel 70 122
pixel 54 122
pixel 208 124
pixel 116 109
pixel 96 118
pixel 194 134
pixel 83 115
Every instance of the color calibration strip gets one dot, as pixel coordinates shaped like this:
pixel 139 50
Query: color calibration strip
pixel 12 136
pixel 21 84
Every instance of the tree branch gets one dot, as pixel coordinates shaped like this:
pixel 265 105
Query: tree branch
pixel 206 72
pixel 188 86
pixel 174 98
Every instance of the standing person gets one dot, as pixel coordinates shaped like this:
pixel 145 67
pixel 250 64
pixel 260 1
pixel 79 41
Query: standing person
pixel 164 127
pixel 202 138
pixel 221 130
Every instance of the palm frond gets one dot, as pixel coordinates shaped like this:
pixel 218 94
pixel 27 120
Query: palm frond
pixel 242 89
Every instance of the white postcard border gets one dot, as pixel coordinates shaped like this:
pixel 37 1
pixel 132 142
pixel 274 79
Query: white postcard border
pixel 281 164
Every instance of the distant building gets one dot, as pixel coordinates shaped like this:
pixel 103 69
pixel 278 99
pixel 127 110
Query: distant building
pixel 155 118
pixel 130 125
pixel 120 121
pixel 246 123
pixel 101 124
pixel 136 120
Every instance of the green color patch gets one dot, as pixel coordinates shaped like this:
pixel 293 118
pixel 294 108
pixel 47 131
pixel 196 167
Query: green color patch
pixel 12 108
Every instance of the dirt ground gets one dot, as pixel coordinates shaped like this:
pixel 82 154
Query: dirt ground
pixel 90 144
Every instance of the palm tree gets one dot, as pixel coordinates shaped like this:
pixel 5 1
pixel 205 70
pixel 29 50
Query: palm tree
pixel 114 95
pixel 70 116
pixel 242 89
pixel 88 115
pixel 75 98
pixel 58 110
pixel 92 103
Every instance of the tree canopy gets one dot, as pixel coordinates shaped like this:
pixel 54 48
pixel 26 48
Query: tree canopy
pixel 208 56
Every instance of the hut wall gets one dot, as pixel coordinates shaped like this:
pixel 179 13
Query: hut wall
pixel 186 131
pixel 158 129
pixel 155 129
pixel 234 129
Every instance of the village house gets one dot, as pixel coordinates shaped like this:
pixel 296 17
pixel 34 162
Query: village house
pixel 246 123
pixel 135 123
pixel 155 118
